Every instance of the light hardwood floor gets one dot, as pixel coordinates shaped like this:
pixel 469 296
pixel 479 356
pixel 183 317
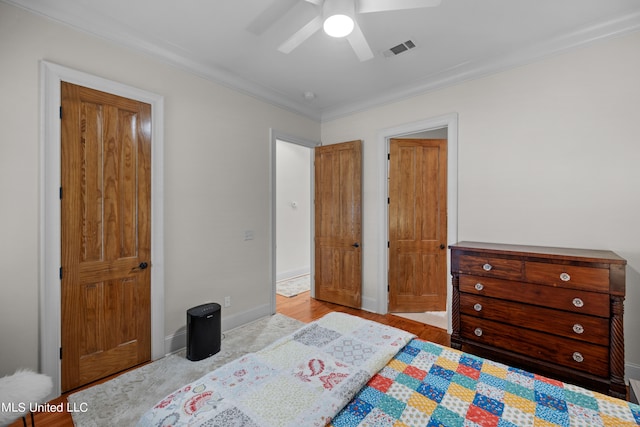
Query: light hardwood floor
pixel 301 307
pixel 307 309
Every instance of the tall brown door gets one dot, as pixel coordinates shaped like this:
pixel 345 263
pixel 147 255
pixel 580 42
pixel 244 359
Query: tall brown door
pixel 106 240
pixel 338 223
pixel 417 225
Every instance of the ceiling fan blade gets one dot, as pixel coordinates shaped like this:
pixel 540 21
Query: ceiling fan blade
pixel 359 44
pixel 368 6
pixel 270 16
pixel 301 35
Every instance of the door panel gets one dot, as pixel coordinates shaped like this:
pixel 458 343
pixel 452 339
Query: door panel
pixel 106 152
pixel 417 225
pixel 338 223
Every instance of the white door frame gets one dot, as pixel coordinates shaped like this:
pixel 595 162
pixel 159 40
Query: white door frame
pixel 274 136
pixel 449 121
pixel 51 75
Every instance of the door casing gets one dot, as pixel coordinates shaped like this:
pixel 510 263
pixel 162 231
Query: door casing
pixel 51 76
pixel 450 121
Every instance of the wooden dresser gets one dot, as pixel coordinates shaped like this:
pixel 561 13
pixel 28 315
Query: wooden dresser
pixel 553 311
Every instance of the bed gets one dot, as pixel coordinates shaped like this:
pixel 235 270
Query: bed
pixel 345 371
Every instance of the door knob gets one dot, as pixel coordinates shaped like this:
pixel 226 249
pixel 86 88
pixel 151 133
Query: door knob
pixel 143 265
pixel 441 246
pixel 356 245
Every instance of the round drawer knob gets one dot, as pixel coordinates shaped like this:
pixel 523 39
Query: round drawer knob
pixel 565 277
pixel 578 328
pixel 487 267
pixel 578 357
pixel 478 332
pixel 577 302
pixel 479 286
pixel 477 307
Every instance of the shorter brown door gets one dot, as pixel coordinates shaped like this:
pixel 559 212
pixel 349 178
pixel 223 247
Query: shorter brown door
pixel 338 223
pixel 417 225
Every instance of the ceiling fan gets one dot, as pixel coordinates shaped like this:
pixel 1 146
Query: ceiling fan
pixel 337 18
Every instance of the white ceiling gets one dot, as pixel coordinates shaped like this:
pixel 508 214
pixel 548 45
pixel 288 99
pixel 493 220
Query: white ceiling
pixel 455 41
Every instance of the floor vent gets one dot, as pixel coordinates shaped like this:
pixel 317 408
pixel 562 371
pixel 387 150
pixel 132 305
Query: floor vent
pixel 398 49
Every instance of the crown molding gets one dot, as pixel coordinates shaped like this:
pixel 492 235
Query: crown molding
pixel 477 69
pixel 128 37
pixel 454 75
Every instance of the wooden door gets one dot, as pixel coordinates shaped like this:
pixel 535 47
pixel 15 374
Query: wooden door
pixel 417 225
pixel 338 223
pixel 106 240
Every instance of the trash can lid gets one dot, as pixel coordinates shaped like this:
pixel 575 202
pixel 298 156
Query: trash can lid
pixel 204 309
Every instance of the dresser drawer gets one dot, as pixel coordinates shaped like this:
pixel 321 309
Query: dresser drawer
pixel 585 357
pixel 568 276
pixel 502 268
pixel 590 329
pixel 592 303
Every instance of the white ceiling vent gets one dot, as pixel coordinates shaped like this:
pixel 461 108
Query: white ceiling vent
pixel 398 49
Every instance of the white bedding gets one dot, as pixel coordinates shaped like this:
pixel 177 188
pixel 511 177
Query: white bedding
pixel 304 379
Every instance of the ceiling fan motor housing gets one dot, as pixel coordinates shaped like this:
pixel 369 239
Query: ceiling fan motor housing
pixel 338 7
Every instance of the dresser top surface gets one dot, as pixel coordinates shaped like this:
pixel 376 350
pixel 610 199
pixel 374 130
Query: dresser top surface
pixel 591 255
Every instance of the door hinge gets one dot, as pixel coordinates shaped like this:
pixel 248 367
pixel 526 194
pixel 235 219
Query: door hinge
pixel 60 193
pixel 61 112
pixel 60 273
pixel 388 200
pixel 60 353
pixel 388 156
pixel 388 290
pixel 388 244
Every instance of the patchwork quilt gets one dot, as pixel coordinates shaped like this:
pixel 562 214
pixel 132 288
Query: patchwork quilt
pixel 430 385
pixel 302 380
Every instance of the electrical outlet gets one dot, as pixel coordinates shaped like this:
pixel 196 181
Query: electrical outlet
pixel 227 301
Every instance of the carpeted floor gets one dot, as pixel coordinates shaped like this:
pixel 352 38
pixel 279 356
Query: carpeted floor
pixel 123 400
pixel 294 285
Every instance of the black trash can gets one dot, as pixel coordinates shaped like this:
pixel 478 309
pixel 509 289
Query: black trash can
pixel 203 331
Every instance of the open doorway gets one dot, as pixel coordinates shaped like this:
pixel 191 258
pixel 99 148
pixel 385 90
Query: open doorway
pixel 292 216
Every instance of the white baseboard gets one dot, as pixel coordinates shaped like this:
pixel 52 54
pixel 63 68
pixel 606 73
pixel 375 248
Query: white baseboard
pixel 178 340
pixel 292 273
pixel 369 304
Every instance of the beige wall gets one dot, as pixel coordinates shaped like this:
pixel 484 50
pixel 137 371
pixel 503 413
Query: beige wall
pixel 549 154
pixel 216 178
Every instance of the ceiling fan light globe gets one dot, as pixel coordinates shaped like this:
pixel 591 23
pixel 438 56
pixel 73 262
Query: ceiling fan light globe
pixel 338 25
